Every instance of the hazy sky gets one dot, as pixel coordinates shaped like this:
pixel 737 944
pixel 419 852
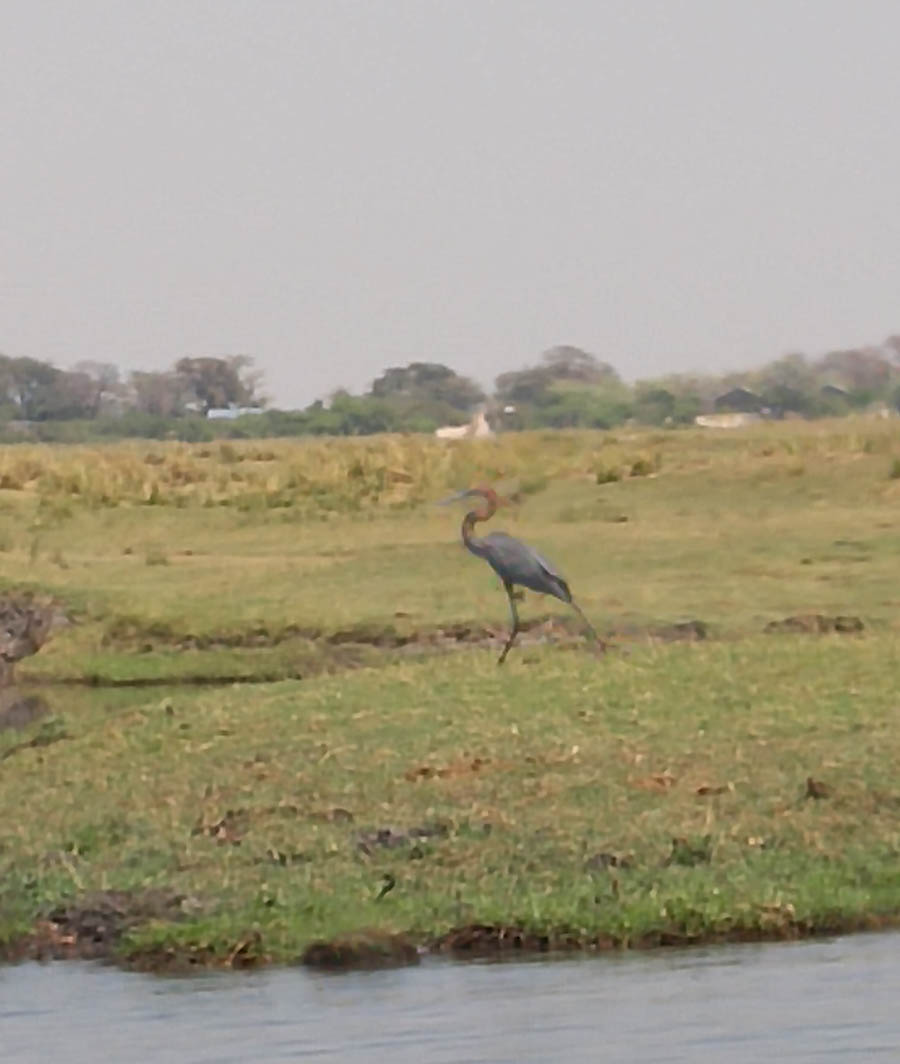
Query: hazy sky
pixel 335 187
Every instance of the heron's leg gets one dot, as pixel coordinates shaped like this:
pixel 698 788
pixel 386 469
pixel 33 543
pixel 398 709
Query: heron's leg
pixel 514 631
pixel 588 625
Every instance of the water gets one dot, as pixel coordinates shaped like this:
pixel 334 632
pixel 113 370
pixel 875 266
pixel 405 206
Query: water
pixel 809 1002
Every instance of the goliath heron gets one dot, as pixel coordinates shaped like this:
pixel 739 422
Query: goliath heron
pixel 514 562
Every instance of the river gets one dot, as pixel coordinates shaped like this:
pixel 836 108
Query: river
pixel 812 1002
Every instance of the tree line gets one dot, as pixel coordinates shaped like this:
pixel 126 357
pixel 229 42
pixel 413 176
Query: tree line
pixel 565 388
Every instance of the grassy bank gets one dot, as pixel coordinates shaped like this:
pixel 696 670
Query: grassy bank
pixel 737 786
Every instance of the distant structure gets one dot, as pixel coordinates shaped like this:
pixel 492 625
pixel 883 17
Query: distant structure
pixel 228 413
pixel 739 401
pixel 726 421
pixel 734 409
pixel 477 429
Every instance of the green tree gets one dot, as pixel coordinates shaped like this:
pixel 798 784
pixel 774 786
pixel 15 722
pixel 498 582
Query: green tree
pixel 159 394
pixel 104 385
pixel 428 382
pixel 34 390
pixel 864 373
pixel 218 382
pixel 560 364
pixel 790 384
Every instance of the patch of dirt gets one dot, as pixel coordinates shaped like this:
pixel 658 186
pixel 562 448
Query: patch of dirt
pixel 817 789
pixel 91 927
pixel 131 634
pixel 691 631
pixel 317 652
pixel 680 631
pixel 188 680
pixel 362 950
pixel 608 860
pixel 283 858
pixel 232 826
pixel 815 623
pixel 229 828
pixel 657 782
pixel 337 815
pixel 392 839
pixel 466 767
pixel 711 790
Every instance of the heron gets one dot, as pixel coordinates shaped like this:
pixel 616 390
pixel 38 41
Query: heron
pixel 514 562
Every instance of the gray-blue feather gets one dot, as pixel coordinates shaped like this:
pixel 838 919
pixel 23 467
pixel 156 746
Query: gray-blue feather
pixel 517 563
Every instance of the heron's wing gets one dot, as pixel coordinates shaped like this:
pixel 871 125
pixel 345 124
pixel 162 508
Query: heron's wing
pixel 555 576
pixel 546 565
pixel 521 564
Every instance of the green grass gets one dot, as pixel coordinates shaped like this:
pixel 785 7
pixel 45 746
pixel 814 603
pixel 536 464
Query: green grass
pixel 529 771
pixel 533 770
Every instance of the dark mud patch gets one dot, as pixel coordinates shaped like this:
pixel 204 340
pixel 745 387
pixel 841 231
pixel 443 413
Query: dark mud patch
pixel 94 928
pixel 681 631
pixel 91 927
pixel 772 924
pixel 246 952
pixel 233 826
pixel 366 950
pixel 188 680
pixel 367 842
pixel 131 635
pixel 815 624
pixel 229 828
pixel 604 860
pixel 480 940
pixel 817 789
pixel 315 654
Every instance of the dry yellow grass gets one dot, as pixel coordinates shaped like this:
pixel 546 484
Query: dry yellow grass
pixel 336 474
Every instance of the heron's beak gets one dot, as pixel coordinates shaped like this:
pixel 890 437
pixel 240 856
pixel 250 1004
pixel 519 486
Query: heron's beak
pixel 456 497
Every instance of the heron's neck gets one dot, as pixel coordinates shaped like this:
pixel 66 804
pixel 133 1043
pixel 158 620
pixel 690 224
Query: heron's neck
pixel 473 517
pixel 472 542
